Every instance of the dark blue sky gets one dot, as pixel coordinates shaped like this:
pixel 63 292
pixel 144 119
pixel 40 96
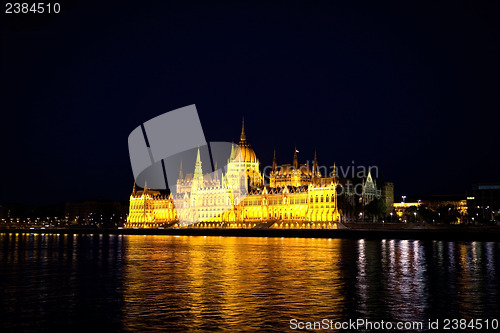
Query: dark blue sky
pixel 413 88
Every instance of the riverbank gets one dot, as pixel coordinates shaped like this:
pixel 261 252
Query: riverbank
pixel 456 233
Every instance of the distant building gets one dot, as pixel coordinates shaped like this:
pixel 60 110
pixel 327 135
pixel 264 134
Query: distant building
pixel 370 190
pixel 388 195
pixel 436 202
pixel 402 208
pixel 484 201
pixel 25 215
pixel 96 213
pixel 4 212
pixel 434 208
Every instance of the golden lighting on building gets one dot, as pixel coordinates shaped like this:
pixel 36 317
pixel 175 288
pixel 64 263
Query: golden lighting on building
pixel 297 197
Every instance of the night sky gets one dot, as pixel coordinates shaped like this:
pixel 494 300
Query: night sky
pixel 413 88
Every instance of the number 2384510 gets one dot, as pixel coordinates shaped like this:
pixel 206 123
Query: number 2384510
pixel 32 8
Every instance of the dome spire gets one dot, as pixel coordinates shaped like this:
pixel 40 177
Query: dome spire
pixel 243 152
pixel 243 137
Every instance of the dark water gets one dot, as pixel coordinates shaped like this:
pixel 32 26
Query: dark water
pixel 167 283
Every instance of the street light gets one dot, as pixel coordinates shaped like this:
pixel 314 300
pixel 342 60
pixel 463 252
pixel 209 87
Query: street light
pixel 415 213
pixel 391 216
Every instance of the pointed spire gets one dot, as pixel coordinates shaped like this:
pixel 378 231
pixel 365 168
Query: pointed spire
pixel 216 172
pixel 198 174
pixel 295 159
pixel 334 173
pixel 197 166
pixel 231 156
pixel 275 164
pixel 315 170
pixel 181 176
pixel 243 137
pixel 134 189
pixel 198 160
pixel 369 177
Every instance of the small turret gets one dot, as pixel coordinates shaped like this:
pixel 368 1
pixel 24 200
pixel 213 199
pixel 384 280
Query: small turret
pixel 275 164
pixel 231 156
pixel 216 173
pixel 181 176
pixel 295 159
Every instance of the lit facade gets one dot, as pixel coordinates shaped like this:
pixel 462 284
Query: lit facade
pixel 370 190
pixel 402 207
pixel 297 197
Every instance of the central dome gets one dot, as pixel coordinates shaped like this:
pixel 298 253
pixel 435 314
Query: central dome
pixel 247 153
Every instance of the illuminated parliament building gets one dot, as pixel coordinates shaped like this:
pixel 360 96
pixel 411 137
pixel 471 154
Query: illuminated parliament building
pixel 297 196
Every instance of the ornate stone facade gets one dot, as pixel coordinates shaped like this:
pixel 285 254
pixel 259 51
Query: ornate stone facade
pixel 297 197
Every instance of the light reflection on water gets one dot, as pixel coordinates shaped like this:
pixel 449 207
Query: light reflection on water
pixel 226 283
pixel 218 282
